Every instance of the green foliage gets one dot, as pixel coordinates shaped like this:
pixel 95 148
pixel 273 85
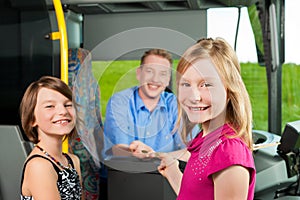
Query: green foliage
pixel 254 77
pixel 113 77
pixel 119 75
pixel 256 27
pixel 290 93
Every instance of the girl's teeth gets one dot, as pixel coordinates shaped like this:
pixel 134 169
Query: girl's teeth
pixel 62 121
pixel 197 109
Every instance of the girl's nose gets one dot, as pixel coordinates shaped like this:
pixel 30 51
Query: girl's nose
pixel 196 95
pixel 62 110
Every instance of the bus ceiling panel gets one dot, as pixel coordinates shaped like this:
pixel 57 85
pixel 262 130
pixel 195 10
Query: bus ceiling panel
pixel 127 6
pixel 28 4
pixel 102 7
pixel 238 3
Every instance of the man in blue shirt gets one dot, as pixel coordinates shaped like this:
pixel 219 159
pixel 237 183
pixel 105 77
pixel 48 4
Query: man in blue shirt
pixel 142 119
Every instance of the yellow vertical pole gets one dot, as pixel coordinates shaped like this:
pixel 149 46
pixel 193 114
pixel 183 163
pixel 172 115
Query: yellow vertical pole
pixel 63 49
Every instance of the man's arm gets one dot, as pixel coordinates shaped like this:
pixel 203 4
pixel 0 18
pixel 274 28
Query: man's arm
pixel 121 150
pixel 116 128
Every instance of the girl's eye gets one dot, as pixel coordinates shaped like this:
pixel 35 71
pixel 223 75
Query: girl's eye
pixel 69 105
pixel 205 85
pixel 185 84
pixel 49 106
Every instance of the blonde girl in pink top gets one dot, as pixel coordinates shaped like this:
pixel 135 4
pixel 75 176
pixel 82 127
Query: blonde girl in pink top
pixel 211 94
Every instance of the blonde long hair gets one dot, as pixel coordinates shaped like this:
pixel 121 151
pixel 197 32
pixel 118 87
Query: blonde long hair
pixel 238 111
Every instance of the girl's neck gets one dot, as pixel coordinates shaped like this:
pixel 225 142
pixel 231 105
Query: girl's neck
pixel 52 147
pixel 53 152
pixel 211 126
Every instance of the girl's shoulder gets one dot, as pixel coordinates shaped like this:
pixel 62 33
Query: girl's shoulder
pixel 39 177
pixel 231 151
pixel 75 160
pixel 38 167
pixel 235 150
pixel 38 163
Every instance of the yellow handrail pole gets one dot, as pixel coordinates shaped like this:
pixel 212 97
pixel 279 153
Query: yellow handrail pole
pixel 63 50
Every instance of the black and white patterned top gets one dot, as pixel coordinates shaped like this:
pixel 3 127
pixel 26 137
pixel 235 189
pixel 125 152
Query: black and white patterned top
pixel 68 182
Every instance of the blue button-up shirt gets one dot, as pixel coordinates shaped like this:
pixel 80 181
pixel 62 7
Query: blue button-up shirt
pixel 127 119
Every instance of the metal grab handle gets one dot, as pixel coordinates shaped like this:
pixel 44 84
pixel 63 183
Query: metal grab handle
pixel 63 50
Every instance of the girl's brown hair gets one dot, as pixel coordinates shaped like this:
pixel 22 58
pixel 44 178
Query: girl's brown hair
pixel 29 101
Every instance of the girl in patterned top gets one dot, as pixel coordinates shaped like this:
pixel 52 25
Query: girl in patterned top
pixel 211 93
pixel 48 117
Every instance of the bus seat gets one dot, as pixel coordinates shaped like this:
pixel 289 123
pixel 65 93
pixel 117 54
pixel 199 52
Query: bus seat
pixel 13 152
pixel 87 95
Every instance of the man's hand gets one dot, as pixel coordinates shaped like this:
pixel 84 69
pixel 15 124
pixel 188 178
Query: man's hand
pixel 140 150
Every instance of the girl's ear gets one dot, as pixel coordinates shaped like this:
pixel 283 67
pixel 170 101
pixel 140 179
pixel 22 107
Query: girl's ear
pixel 34 124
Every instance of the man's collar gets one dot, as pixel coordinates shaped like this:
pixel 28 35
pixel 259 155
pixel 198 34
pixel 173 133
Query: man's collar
pixel 141 105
